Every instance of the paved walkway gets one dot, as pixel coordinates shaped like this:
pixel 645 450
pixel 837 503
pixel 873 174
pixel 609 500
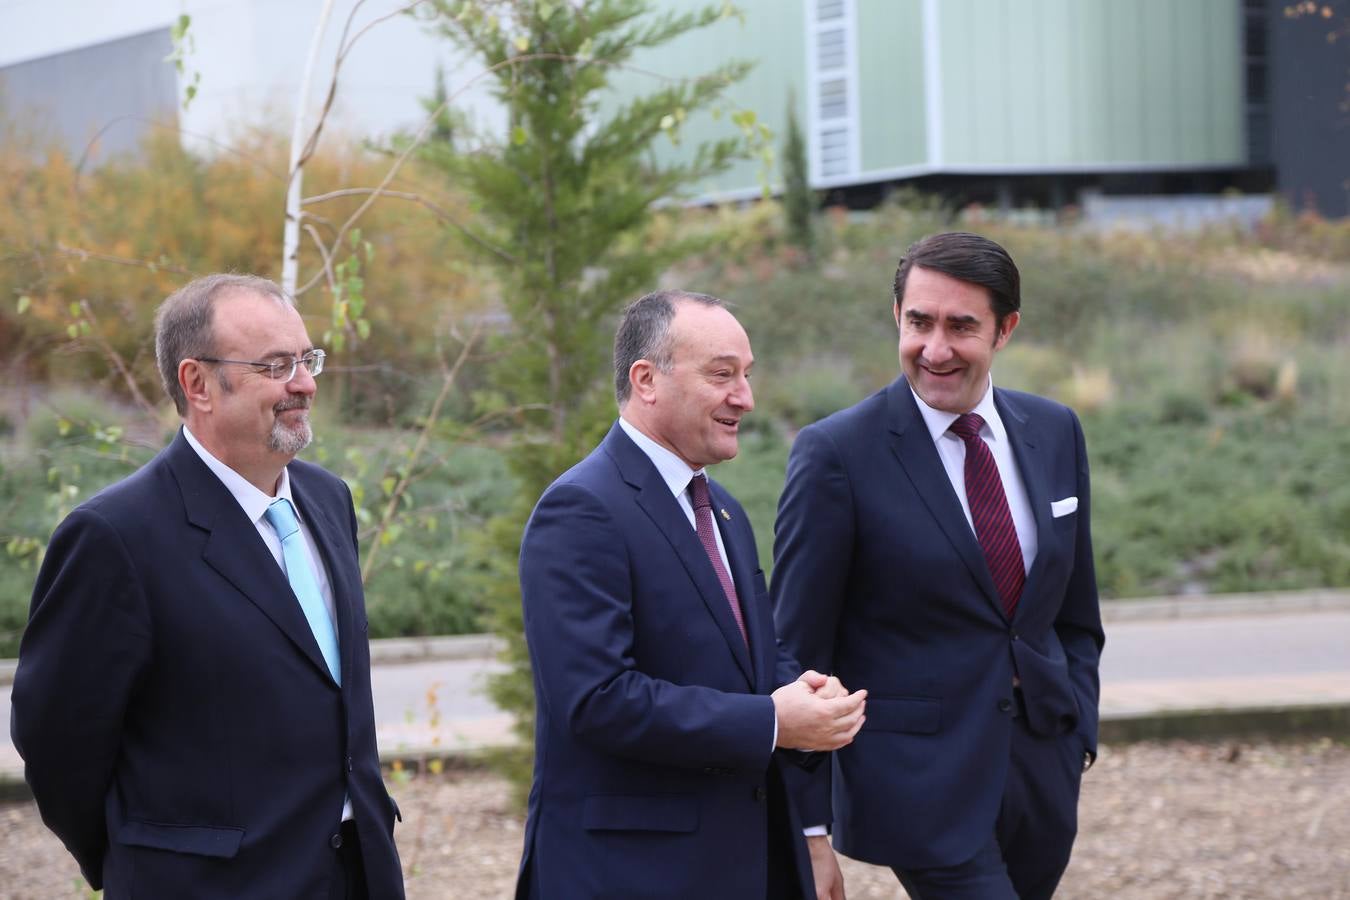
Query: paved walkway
pixel 1166 656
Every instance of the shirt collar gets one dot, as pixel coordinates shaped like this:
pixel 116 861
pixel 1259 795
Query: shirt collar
pixel 938 421
pixel 674 471
pixel 253 501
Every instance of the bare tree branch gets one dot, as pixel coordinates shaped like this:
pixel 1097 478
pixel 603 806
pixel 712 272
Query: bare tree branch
pixel 440 212
pixel 448 378
pixel 417 141
pixel 116 358
pixel 156 123
pixel 85 255
pixel 290 242
pixel 323 253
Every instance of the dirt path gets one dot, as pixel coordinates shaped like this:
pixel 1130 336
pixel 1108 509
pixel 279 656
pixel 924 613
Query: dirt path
pixel 1236 821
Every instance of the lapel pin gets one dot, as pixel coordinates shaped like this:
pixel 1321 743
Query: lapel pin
pixel 726 515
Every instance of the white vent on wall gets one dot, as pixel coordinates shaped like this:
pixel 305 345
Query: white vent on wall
pixel 832 88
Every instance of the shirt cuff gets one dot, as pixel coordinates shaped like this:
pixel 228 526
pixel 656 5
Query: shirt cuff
pixel 816 831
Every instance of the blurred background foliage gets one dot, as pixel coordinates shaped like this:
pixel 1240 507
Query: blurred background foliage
pixel 1210 369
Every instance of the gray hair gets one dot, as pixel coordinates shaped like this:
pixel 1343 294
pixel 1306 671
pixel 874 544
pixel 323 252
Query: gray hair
pixel 183 324
pixel 644 333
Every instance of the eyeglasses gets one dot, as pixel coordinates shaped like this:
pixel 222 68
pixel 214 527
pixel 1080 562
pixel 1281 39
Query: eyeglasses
pixel 280 369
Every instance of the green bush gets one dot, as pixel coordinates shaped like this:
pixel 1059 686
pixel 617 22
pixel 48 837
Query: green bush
pixel 421 582
pixel 808 392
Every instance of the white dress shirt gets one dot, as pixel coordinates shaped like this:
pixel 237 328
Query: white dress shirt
pixel 952 451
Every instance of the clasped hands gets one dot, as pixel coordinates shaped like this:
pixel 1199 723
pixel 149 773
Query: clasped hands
pixel 816 712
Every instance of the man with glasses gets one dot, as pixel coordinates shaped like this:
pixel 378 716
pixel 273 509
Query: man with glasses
pixel 193 698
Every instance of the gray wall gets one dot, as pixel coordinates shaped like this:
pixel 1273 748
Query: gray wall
pixel 101 100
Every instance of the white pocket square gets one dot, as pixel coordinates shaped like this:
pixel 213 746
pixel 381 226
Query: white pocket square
pixel 1063 507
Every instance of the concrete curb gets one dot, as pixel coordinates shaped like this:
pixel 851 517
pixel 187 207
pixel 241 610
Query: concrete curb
pixel 1215 605
pixel 394 651
pixel 387 651
pixel 1273 722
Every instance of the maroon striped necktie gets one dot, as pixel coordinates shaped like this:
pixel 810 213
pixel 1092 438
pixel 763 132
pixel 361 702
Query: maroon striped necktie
pixel 703 521
pixel 989 511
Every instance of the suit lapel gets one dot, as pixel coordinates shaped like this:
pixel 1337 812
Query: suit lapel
pixel 1022 437
pixel 342 569
pixel 656 500
pixel 236 550
pixel 912 445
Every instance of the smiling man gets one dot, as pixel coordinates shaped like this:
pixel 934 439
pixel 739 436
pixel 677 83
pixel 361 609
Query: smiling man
pixel 933 546
pixel 193 699
pixel 661 692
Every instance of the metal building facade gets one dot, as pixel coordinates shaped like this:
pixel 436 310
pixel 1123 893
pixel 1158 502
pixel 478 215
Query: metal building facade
pixel 896 89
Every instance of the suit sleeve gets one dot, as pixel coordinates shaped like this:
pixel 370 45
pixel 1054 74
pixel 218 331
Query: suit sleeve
pixel 1079 623
pixel 576 588
pixel 813 543
pixel 86 643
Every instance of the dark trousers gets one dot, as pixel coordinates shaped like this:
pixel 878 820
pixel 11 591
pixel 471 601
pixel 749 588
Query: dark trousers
pixel 349 870
pixel 784 881
pixel 1033 836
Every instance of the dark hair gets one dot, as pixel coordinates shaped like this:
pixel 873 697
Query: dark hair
pixel 644 333
pixel 966 257
pixel 183 324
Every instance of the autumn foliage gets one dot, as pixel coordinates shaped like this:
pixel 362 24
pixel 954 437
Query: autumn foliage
pixel 89 253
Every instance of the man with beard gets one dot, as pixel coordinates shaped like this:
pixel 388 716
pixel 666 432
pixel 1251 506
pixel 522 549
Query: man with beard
pixel 193 700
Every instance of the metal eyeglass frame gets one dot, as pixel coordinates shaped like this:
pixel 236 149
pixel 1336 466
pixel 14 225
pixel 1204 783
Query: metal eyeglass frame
pixel 312 361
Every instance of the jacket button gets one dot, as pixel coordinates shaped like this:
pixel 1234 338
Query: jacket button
pixel 1013 634
pixel 335 841
pixel 760 794
pixel 349 764
pixel 1004 705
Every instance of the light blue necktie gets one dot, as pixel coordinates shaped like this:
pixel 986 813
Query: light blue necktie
pixel 281 516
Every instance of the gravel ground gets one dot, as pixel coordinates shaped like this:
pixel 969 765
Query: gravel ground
pixel 1157 822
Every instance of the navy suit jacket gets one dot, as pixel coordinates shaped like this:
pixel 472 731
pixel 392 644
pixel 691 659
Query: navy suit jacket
pixel 880 579
pixel 179 728
pixel 654 771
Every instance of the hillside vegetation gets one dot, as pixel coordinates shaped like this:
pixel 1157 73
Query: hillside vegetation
pixel 1210 370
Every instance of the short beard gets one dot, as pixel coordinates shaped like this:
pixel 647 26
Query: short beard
pixel 288 440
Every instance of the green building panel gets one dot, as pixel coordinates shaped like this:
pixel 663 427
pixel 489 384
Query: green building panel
pixel 891 108
pixel 769 33
pixel 923 87
pixel 1077 84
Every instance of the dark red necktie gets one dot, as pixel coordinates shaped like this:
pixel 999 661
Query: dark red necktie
pixel 703 520
pixel 989 510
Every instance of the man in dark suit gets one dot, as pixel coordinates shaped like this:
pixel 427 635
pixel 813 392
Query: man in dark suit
pixel 933 546
pixel 193 699
pixel 661 690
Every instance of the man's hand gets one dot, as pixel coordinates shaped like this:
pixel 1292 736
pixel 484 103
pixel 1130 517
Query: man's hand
pixel 824 686
pixel 825 869
pixel 808 721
